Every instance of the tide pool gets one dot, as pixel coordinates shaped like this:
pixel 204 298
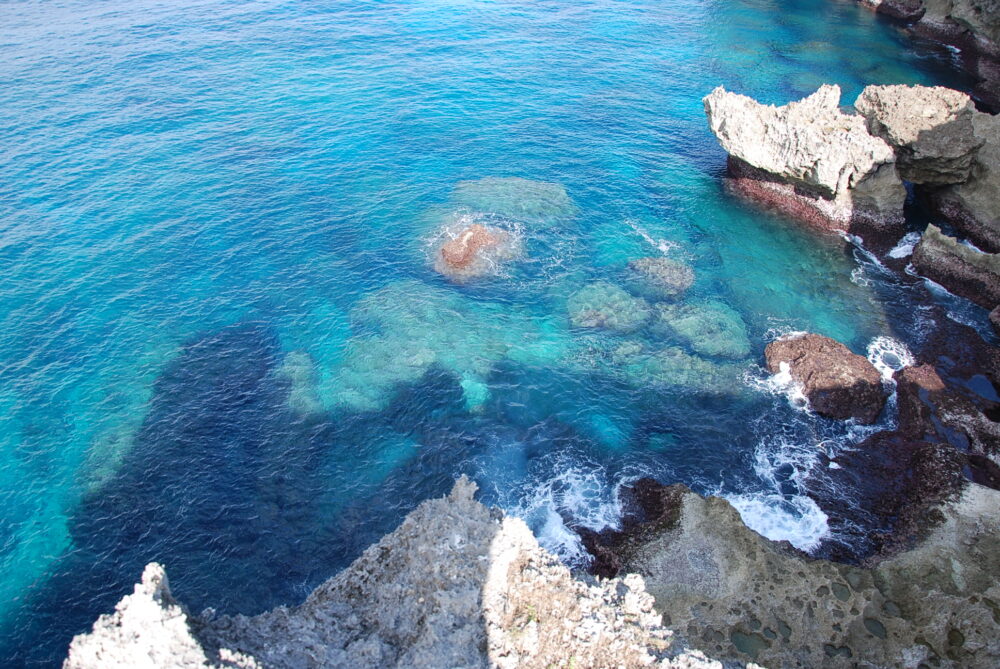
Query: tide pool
pixel 223 343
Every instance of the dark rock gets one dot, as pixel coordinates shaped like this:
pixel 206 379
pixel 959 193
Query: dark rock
pixel 995 319
pixel 964 271
pixel 649 507
pixel 838 383
pixel 908 11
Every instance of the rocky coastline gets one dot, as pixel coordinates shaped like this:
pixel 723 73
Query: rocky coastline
pixel 458 584
pixel 970 27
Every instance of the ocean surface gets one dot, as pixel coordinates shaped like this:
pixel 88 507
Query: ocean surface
pixel 223 343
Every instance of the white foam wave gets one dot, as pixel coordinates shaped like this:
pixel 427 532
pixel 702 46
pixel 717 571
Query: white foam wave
pixel 664 246
pixel 796 519
pixel 889 355
pixel 781 384
pixel 781 333
pixel 577 491
pixel 904 248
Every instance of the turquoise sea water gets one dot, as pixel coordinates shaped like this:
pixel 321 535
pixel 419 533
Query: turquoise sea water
pixel 224 346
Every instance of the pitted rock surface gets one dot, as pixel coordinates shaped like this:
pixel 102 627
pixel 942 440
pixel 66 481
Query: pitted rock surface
pixel 838 383
pixel 930 128
pixel 737 595
pixel 456 585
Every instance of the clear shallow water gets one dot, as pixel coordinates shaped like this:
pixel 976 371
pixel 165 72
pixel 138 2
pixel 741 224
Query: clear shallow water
pixel 223 345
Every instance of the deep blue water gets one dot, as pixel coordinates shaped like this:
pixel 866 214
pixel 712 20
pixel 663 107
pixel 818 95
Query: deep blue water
pixel 224 346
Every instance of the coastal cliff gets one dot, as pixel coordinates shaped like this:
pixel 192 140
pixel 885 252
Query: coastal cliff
pixel 455 585
pixel 458 584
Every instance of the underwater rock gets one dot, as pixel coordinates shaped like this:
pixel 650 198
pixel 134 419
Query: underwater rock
pixel 811 161
pixel 739 596
pixel 298 370
pixel 838 383
pixel 659 277
pixel 964 271
pixel 606 306
pixel 456 584
pixel 711 328
pixel 930 129
pixel 535 202
pixel 671 367
pixel 405 328
pixel 973 208
pixel 473 251
pixel 995 319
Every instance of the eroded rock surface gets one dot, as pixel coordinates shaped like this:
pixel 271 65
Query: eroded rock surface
pixel 456 585
pixel 810 160
pixel 838 383
pixel 973 207
pixel 962 270
pixel 738 595
pixel 930 129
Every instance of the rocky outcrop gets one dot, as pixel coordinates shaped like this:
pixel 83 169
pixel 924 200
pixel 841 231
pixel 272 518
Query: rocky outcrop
pixel 811 161
pixel 838 383
pixel 962 270
pixel 973 26
pixel 738 595
pixel 473 251
pixel 660 278
pixel 929 128
pixel 973 207
pixel 457 584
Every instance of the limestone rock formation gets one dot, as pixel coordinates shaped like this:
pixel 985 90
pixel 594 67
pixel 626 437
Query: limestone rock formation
pixel 838 383
pixel 148 629
pixel 962 270
pixel 930 129
pixel 711 328
pixel 659 277
pixel 457 584
pixel 473 251
pixel 810 160
pixel 605 306
pixel 973 207
pixel 737 595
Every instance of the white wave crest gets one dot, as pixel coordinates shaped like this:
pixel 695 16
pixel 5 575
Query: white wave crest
pixel 579 492
pixel 904 248
pixel 796 519
pixel 889 356
pixel 781 384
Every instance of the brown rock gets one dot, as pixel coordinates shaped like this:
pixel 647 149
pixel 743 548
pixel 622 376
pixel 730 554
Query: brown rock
pixel 462 250
pixel 838 383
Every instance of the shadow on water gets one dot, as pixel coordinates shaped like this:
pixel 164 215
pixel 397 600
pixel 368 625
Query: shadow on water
pixel 248 504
